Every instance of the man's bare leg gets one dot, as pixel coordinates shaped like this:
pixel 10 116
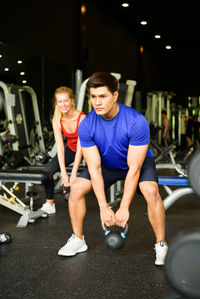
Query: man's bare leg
pixel 156 214
pixel 156 211
pixel 77 210
pixel 77 205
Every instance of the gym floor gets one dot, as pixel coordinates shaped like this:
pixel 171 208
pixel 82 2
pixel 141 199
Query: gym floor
pixel 31 268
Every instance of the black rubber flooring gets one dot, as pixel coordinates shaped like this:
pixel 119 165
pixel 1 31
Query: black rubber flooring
pixel 31 269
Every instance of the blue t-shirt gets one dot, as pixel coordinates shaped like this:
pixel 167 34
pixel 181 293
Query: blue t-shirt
pixel 112 137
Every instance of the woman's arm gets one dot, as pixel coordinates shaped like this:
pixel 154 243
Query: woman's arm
pixel 77 161
pixel 60 152
pixel 78 156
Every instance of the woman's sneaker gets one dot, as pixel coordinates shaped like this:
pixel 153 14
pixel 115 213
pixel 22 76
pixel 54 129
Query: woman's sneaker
pixel 5 238
pixel 161 252
pixel 73 246
pixel 48 208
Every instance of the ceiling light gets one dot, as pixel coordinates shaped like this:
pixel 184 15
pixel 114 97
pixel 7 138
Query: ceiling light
pixel 143 23
pixel 83 9
pixel 0 56
pixel 6 69
pixel 22 73
pixel 168 47
pixel 19 61
pixel 157 36
pixel 24 81
pixel 125 4
pixel 141 49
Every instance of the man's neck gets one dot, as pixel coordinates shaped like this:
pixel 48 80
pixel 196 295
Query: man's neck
pixel 112 113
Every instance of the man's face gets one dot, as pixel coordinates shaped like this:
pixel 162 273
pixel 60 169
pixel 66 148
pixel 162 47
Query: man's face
pixel 103 101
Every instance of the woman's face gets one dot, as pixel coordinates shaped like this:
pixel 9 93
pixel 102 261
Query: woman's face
pixel 64 102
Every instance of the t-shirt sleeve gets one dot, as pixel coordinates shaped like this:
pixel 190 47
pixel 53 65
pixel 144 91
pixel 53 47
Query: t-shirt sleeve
pixel 139 133
pixel 85 136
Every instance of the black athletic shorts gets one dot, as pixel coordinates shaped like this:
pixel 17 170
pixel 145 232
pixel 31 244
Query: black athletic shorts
pixel 111 176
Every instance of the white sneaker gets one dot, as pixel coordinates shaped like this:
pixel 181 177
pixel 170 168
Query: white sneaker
pixel 161 251
pixel 5 238
pixel 73 246
pixel 48 208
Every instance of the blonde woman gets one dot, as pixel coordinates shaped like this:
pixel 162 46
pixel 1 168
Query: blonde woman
pixel 65 122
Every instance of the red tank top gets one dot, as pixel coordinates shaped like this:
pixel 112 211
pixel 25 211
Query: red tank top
pixel 72 137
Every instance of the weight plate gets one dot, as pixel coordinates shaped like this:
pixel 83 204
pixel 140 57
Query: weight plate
pixel 194 173
pixel 182 265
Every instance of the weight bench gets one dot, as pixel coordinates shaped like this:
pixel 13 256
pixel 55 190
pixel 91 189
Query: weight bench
pixel 174 195
pixel 11 201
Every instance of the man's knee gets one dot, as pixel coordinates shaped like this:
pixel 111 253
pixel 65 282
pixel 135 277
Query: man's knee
pixel 79 188
pixel 150 191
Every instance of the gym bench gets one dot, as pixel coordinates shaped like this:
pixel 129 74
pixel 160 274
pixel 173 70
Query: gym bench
pixel 116 190
pixel 11 201
pixel 174 195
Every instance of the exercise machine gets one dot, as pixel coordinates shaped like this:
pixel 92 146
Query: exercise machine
pixel 23 118
pixel 156 102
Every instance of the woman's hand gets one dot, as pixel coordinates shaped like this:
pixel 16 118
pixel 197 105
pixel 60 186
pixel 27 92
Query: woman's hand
pixel 65 180
pixel 72 178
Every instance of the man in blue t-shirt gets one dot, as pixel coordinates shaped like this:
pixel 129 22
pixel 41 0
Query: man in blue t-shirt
pixel 115 144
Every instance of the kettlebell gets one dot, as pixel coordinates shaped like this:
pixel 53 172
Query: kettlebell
pixel 65 192
pixel 115 240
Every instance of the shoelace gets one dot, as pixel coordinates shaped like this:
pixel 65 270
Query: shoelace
pixel 72 237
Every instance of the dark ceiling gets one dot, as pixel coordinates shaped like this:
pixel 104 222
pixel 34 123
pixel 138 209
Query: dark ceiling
pixel 10 57
pixel 176 21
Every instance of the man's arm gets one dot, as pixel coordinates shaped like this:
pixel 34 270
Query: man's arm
pixel 166 124
pixel 135 159
pixel 93 160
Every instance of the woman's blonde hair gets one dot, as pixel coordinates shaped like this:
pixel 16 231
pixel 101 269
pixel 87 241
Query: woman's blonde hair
pixel 63 89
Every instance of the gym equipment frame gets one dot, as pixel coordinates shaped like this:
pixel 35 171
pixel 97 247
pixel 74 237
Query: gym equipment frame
pixel 174 195
pixel 11 201
pixel 14 106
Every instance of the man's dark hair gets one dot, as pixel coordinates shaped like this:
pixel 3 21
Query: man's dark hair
pixel 164 112
pixel 103 79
